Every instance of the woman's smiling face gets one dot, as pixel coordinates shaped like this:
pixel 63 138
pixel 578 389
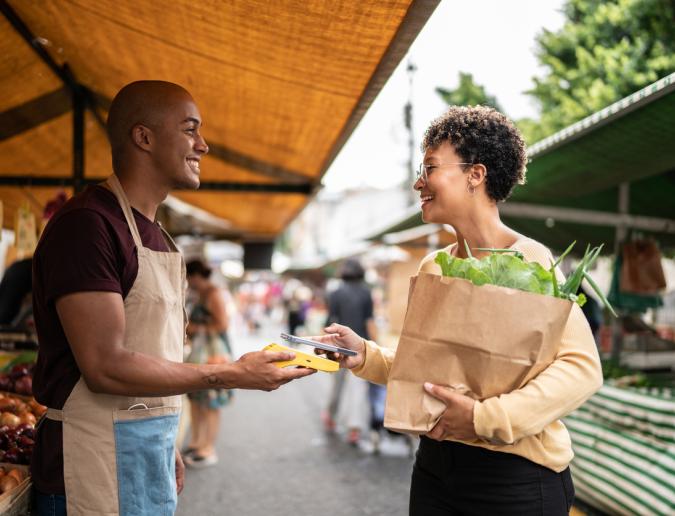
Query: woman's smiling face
pixel 444 194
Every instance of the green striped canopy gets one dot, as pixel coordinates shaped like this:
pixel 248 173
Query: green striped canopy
pixel 624 447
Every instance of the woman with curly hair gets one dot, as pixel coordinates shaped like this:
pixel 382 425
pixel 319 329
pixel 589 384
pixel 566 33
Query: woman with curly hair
pixel 508 454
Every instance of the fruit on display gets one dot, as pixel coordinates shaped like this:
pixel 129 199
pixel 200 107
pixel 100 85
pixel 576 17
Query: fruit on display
pixel 19 412
pixel 18 379
pixel 17 428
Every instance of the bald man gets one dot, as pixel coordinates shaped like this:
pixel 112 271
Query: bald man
pixel 108 301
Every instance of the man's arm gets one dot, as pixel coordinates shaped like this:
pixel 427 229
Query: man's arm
pixel 94 325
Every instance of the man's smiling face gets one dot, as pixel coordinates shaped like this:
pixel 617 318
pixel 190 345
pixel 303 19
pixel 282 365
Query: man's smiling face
pixel 179 145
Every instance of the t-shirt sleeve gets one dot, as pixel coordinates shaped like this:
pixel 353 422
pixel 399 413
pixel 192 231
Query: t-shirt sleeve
pixel 79 255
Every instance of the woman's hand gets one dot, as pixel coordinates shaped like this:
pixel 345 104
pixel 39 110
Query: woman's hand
pixel 344 337
pixel 457 420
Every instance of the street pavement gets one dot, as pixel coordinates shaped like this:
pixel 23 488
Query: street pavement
pixel 275 459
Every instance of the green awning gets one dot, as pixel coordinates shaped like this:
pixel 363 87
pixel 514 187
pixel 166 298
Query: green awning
pixel 582 168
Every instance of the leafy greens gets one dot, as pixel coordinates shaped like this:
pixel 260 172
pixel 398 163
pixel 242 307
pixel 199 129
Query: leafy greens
pixel 507 268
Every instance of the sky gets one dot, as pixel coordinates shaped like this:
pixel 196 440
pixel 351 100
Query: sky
pixel 492 39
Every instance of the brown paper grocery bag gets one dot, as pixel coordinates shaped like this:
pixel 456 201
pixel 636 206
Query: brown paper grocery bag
pixel 482 341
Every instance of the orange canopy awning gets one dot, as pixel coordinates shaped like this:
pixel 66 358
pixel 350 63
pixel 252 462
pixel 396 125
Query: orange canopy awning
pixel 280 86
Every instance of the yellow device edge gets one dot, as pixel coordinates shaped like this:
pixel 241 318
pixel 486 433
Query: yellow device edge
pixel 304 359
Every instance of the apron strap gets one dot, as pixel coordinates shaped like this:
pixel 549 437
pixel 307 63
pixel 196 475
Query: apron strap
pixel 172 245
pixel 114 184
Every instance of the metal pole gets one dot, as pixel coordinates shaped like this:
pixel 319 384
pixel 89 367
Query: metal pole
pixel 620 237
pixel 408 119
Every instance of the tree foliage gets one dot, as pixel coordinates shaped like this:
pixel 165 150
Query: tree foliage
pixel 606 50
pixel 468 93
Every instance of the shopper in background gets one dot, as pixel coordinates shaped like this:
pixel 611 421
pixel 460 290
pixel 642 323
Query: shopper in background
pixel 15 287
pixel 209 345
pixel 16 307
pixel 350 305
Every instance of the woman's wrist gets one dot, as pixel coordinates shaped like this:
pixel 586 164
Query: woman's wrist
pixel 361 355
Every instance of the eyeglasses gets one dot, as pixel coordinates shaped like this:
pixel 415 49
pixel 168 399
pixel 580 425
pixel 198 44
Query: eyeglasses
pixel 423 170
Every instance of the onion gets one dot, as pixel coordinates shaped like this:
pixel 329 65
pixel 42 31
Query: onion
pixel 7 404
pixel 27 418
pixel 9 419
pixel 7 483
pixel 17 474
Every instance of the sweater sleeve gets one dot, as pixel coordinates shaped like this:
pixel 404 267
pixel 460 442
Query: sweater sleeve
pixel 571 379
pixel 376 364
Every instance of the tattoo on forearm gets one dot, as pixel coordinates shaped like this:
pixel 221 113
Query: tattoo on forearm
pixel 212 381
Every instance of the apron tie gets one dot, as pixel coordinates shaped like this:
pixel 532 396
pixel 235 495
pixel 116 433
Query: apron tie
pixel 54 414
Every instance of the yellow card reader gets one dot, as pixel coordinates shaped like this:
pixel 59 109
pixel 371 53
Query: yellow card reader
pixel 304 359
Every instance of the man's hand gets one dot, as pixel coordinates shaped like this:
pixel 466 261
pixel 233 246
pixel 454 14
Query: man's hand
pixel 256 370
pixel 180 472
pixel 344 337
pixel 457 420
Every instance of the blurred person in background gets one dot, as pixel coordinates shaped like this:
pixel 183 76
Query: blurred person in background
pixel 15 292
pixel 209 345
pixel 350 305
pixel 293 304
pixel 16 287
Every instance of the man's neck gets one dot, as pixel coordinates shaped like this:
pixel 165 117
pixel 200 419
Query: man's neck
pixel 144 192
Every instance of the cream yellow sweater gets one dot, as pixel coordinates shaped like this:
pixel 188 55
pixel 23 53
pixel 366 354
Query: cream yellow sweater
pixel 526 421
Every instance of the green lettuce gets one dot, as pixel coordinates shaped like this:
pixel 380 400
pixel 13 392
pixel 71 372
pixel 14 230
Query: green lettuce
pixel 507 268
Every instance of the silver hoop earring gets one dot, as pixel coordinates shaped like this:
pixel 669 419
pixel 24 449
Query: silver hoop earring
pixel 471 189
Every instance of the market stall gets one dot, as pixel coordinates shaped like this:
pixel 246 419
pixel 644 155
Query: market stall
pixel 19 414
pixel 623 440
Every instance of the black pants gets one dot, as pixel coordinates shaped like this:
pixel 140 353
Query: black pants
pixel 452 479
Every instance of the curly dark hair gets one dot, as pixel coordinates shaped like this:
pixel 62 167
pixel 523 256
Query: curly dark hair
pixel 481 134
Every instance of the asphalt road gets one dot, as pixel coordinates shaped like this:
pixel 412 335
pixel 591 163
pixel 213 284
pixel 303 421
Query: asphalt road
pixel 275 460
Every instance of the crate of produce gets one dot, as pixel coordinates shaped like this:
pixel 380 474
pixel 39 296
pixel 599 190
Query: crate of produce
pixel 15 489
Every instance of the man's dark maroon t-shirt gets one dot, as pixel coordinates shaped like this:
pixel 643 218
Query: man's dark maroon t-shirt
pixel 87 246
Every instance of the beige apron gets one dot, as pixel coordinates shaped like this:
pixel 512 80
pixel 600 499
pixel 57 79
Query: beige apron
pixel 118 451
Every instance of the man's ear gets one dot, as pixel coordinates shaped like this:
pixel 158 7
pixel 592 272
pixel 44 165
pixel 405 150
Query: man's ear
pixel 142 136
pixel 477 174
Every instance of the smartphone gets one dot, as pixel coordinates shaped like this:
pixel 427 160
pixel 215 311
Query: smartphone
pixel 320 345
